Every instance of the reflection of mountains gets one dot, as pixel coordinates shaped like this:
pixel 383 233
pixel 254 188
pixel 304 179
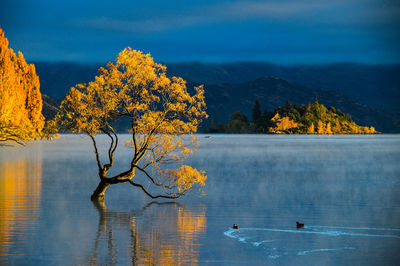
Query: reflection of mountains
pixel 20 190
pixel 159 233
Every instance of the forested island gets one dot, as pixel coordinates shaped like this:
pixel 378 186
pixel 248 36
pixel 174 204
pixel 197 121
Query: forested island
pixel 313 118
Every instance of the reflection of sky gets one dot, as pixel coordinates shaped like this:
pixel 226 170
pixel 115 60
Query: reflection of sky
pixel 287 31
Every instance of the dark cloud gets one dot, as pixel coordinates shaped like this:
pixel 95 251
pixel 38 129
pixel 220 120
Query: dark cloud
pixel 298 31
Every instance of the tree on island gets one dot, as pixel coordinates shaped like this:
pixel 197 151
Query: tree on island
pixel 237 124
pixel 21 104
pixel 163 116
pixel 256 111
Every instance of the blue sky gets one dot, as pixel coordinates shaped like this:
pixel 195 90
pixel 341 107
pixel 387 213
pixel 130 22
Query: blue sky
pixel 282 32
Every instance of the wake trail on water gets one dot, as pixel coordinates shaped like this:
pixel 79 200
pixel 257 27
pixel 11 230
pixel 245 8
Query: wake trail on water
pixel 230 232
pixel 354 228
pixel 242 235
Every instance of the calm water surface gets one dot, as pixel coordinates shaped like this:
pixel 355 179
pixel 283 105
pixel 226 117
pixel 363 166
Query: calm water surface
pixel 346 189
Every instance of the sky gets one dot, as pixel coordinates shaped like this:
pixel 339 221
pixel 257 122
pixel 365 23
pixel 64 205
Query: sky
pixel 281 32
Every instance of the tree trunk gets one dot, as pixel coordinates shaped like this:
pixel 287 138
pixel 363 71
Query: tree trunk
pixel 98 193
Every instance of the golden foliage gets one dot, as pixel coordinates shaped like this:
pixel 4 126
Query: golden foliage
pixel 20 98
pixel 282 125
pixel 337 128
pixel 185 178
pixel 160 110
pixel 311 129
pixel 139 88
pixel 328 129
pixel 320 127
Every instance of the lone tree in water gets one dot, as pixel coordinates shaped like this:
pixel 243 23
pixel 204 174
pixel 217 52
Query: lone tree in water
pixel 163 117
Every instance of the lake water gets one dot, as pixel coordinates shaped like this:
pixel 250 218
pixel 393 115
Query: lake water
pixel 346 189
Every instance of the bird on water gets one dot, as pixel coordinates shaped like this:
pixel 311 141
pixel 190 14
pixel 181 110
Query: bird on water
pixel 299 225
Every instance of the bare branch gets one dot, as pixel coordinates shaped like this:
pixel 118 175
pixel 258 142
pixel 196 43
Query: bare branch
pixel 111 145
pixel 151 196
pixel 96 152
pixel 134 135
pixel 151 178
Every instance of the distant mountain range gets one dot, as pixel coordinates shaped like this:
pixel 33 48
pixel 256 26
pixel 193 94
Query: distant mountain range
pixel 57 78
pixel 371 94
pixel 375 85
pixel 224 99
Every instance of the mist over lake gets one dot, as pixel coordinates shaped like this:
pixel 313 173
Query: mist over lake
pixel 344 188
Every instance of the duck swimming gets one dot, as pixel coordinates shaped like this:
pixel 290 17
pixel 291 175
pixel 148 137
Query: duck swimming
pixel 235 226
pixel 299 225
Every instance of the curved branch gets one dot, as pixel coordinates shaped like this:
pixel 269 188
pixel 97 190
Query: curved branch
pixel 11 134
pixel 116 141
pixel 143 149
pixel 134 136
pixel 113 145
pixel 151 196
pixel 11 139
pixel 151 178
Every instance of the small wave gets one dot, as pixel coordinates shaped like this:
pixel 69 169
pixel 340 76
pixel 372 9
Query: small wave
pixel 256 244
pixel 305 252
pixel 278 255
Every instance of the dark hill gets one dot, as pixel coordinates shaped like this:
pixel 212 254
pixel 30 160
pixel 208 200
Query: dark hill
pixel 50 107
pixel 57 78
pixel 375 85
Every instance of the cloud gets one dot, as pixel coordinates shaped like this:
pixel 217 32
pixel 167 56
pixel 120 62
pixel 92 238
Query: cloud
pixel 200 15
pixel 342 12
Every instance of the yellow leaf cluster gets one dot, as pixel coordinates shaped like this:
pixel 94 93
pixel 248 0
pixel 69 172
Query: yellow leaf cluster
pixel 311 129
pixel 185 177
pixel 20 98
pixel 320 127
pixel 338 127
pixel 282 125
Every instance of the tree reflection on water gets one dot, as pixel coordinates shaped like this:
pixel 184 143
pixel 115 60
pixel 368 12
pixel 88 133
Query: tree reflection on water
pixel 20 193
pixel 159 233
